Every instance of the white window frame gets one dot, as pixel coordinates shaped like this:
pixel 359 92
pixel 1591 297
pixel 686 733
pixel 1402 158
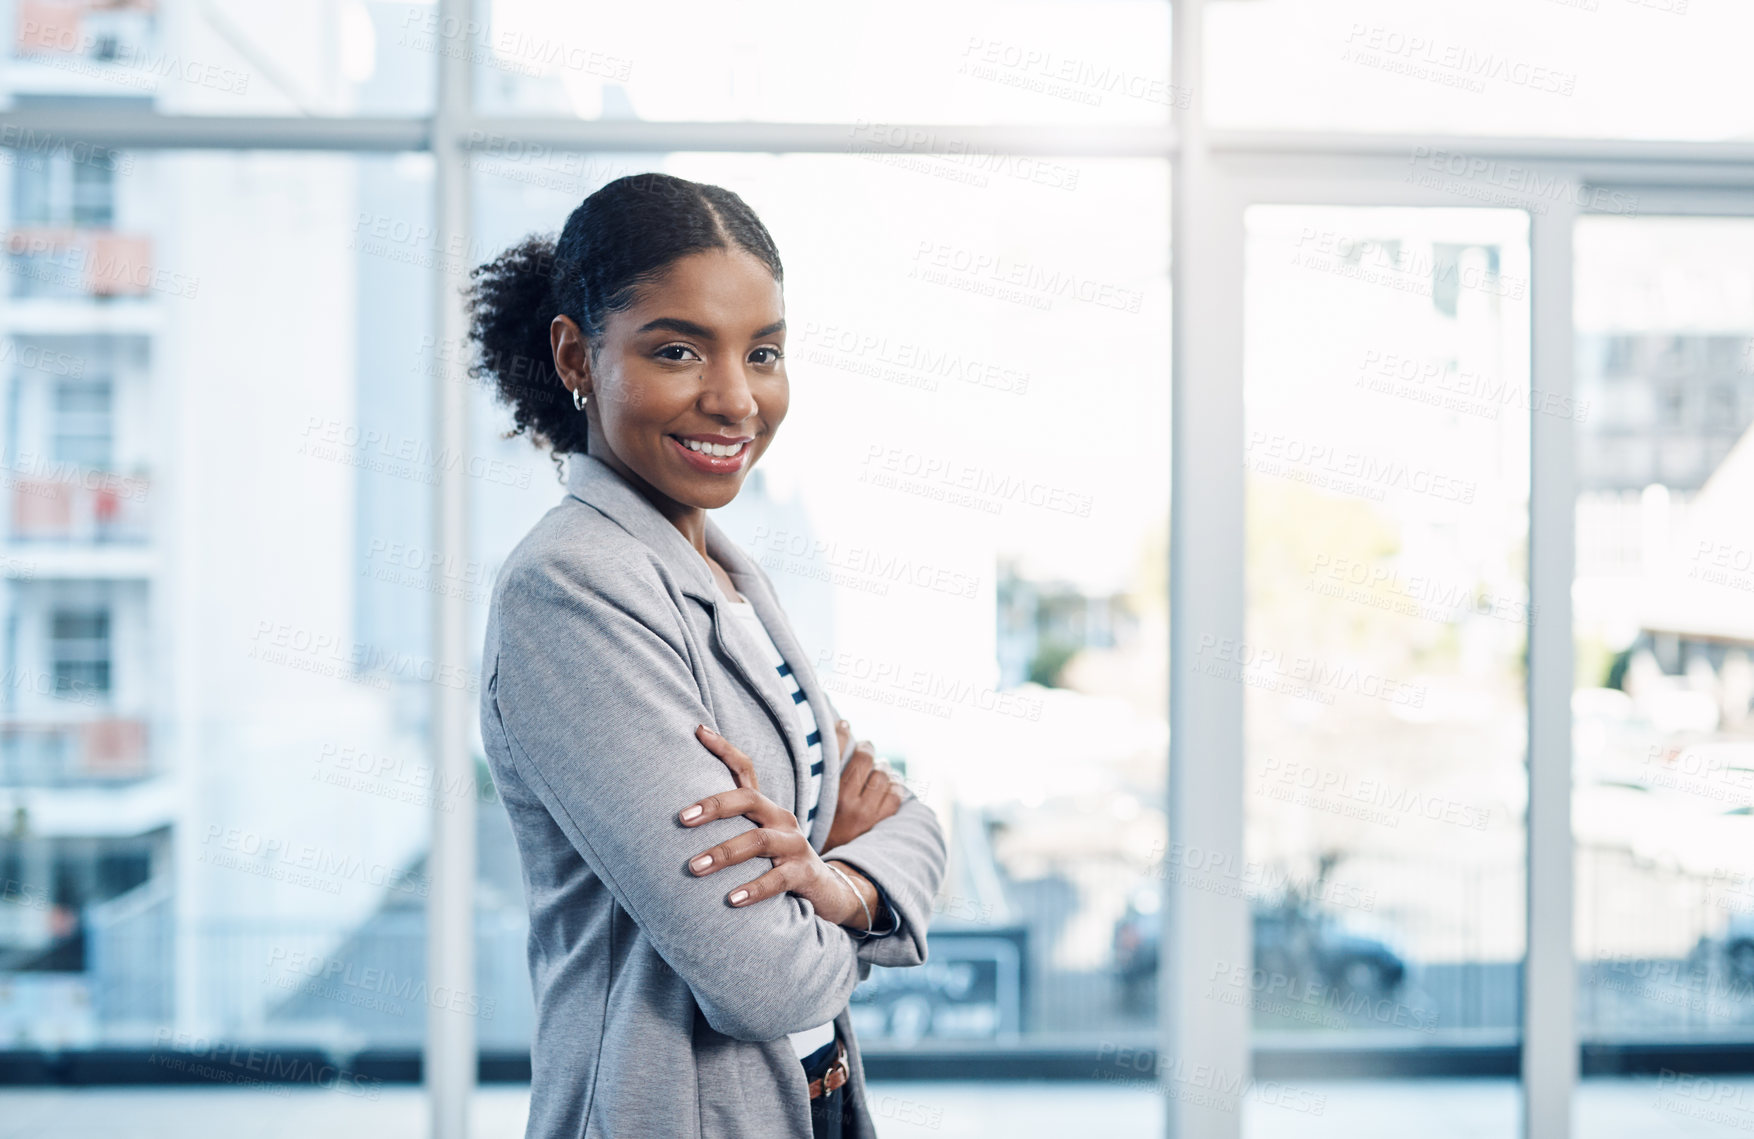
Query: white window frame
pixel 1217 174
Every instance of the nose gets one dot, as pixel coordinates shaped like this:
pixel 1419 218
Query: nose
pixel 725 393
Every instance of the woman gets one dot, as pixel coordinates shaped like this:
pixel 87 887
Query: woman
pixel 707 881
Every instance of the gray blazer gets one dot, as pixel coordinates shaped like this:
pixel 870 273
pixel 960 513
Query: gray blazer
pixel 660 1009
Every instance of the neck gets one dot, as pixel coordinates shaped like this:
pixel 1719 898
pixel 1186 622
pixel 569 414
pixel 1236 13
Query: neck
pixel 690 521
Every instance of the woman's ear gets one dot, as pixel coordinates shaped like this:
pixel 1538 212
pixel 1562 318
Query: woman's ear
pixel 572 358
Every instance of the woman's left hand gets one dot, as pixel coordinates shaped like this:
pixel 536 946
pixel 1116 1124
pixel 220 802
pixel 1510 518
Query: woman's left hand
pixel 797 868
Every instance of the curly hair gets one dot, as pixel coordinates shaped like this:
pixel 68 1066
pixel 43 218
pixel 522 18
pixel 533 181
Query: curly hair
pixel 620 237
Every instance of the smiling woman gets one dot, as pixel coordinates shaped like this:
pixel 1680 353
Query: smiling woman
pixel 642 683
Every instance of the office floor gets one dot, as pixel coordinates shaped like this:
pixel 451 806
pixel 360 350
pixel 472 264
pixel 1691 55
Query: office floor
pixel 1454 1109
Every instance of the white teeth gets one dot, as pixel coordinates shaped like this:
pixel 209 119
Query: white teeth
pixel 718 450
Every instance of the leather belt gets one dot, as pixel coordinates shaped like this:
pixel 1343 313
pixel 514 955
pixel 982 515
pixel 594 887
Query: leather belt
pixel 837 1073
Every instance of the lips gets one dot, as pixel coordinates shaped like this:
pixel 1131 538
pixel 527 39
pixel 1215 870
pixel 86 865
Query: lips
pixel 712 457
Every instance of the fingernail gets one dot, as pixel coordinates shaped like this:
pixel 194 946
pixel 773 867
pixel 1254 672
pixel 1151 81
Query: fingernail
pixel 738 896
pixel 840 723
pixel 690 813
pixel 709 731
pixel 701 863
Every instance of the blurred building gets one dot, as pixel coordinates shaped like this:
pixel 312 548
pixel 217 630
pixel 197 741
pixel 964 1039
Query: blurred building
pixel 183 676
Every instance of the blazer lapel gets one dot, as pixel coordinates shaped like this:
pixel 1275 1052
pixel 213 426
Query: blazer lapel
pixel 594 482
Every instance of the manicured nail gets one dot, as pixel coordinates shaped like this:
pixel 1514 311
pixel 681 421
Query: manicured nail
pixel 690 812
pixel 738 896
pixel 701 863
pixel 709 731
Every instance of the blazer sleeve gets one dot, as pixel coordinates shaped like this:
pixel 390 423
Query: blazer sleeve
pixel 599 705
pixel 904 856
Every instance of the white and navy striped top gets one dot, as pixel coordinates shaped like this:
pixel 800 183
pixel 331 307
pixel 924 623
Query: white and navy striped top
pixel 810 1039
pixel 745 613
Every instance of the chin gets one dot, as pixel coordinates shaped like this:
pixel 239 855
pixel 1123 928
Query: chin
pixel 718 496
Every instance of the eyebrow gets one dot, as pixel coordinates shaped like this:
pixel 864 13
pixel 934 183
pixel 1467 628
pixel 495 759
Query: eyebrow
pixel 689 328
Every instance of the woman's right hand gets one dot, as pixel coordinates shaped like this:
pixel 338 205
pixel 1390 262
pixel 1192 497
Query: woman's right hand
pixel 867 793
pixel 797 868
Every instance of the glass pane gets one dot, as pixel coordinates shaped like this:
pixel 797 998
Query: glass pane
pixel 965 61
pixel 1663 800
pixel 1387 431
pixel 268 57
pixel 994 623
pixel 213 759
pixel 1572 68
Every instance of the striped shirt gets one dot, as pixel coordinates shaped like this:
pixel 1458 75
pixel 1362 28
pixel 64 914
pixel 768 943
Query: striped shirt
pixel 810 1039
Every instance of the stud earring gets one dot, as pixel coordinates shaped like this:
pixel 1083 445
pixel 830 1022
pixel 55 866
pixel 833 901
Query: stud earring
pixel 579 399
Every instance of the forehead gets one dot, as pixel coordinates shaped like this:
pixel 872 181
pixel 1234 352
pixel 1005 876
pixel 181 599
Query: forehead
pixel 725 288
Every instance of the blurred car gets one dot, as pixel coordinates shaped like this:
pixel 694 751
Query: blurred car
pixel 1739 946
pixel 1294 940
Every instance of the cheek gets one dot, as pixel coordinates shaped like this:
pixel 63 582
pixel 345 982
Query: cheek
pixel 775 401
pixel 637 399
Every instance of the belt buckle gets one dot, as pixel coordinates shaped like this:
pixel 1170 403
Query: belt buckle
pixel 823 1082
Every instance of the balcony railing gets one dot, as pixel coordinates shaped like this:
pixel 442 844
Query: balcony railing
pixel 78 506
pixel 89 29
pixel 63 262
pixel 44 754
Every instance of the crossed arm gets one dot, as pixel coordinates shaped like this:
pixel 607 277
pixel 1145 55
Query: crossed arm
pixel 865 847
pixel 599 710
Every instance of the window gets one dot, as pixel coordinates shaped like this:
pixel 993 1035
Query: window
pixel 83 427
pixel 79 650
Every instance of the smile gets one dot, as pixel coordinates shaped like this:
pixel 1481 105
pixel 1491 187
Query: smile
pixel 714 458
